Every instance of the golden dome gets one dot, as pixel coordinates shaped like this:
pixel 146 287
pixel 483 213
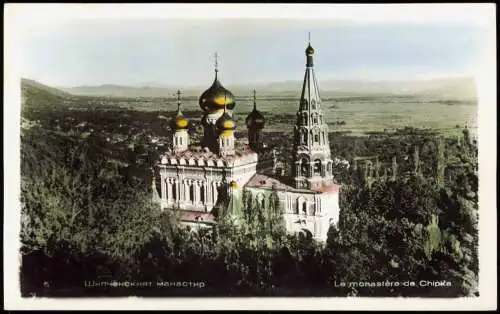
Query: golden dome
pixel 225 123
pixel 226 133
pixel 228 125
pixel 215 97
pixel 234 184
pixel 181 123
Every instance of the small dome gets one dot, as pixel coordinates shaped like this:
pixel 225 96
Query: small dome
pixel 255 120
pixel 225 123
pixel 234 185
pixel 179 122
pixel 215 97
pixel 226 133
pixel 309 50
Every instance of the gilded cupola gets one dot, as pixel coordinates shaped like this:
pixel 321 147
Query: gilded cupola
pixel 216 96
pixel 225 124
pixel 179 122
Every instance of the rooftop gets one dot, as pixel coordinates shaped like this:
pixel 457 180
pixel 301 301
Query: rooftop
pixel 266 181
pixel 201 156
pixel 196 216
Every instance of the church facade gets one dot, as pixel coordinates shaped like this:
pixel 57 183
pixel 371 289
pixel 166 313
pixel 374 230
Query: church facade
pixel 196 178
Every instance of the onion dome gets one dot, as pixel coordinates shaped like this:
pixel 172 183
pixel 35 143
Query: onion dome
pixel 225 124
pixel 179 122
pixel 255 119
pixel 216 96
pixel 309 53
pixel 309 50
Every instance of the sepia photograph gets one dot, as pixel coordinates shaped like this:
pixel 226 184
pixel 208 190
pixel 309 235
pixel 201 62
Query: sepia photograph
pixel 250 154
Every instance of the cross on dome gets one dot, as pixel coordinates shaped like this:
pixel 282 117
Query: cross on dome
pixel 213 98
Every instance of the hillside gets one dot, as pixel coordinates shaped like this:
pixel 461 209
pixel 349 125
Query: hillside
pixel 447 88
pixel 37 95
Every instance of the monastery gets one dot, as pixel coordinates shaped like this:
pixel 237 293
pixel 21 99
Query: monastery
pixel 204 179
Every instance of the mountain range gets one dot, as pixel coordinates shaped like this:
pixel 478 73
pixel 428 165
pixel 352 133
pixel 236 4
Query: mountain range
pixel 447 88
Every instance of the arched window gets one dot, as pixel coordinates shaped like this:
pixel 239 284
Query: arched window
pixel 191 192
pixel 202 194
pixel 174 192
pixel 305 105
pixel 304 208
pixel 316 138
pixel 304 136
pixel 313 104
pixel 180 140
pixel 317 166
pixel 304 167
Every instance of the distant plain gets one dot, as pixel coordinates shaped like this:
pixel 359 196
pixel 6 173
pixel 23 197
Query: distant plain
pixel 360 114
pixel 344 111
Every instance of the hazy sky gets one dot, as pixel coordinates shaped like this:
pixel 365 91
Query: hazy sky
pixel 140 51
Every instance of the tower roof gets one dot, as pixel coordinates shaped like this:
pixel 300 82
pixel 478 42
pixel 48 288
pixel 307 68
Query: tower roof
pixel 310 90
pixel 179 122
pixel 309 50
pixel 225 122
pixel 216 96
pixel 255 119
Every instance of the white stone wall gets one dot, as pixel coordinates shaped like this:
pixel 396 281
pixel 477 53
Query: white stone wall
pixel 193 187
pixel 191 184
pixel 313 212
pixel 321 210
pixel 180 140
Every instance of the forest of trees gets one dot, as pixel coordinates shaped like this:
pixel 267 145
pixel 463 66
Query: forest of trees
pixel 85 218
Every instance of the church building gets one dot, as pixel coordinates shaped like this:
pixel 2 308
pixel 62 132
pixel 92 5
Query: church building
pixel 197 178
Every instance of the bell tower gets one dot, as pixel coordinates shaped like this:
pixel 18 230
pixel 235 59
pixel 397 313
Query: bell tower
pixel 312 165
